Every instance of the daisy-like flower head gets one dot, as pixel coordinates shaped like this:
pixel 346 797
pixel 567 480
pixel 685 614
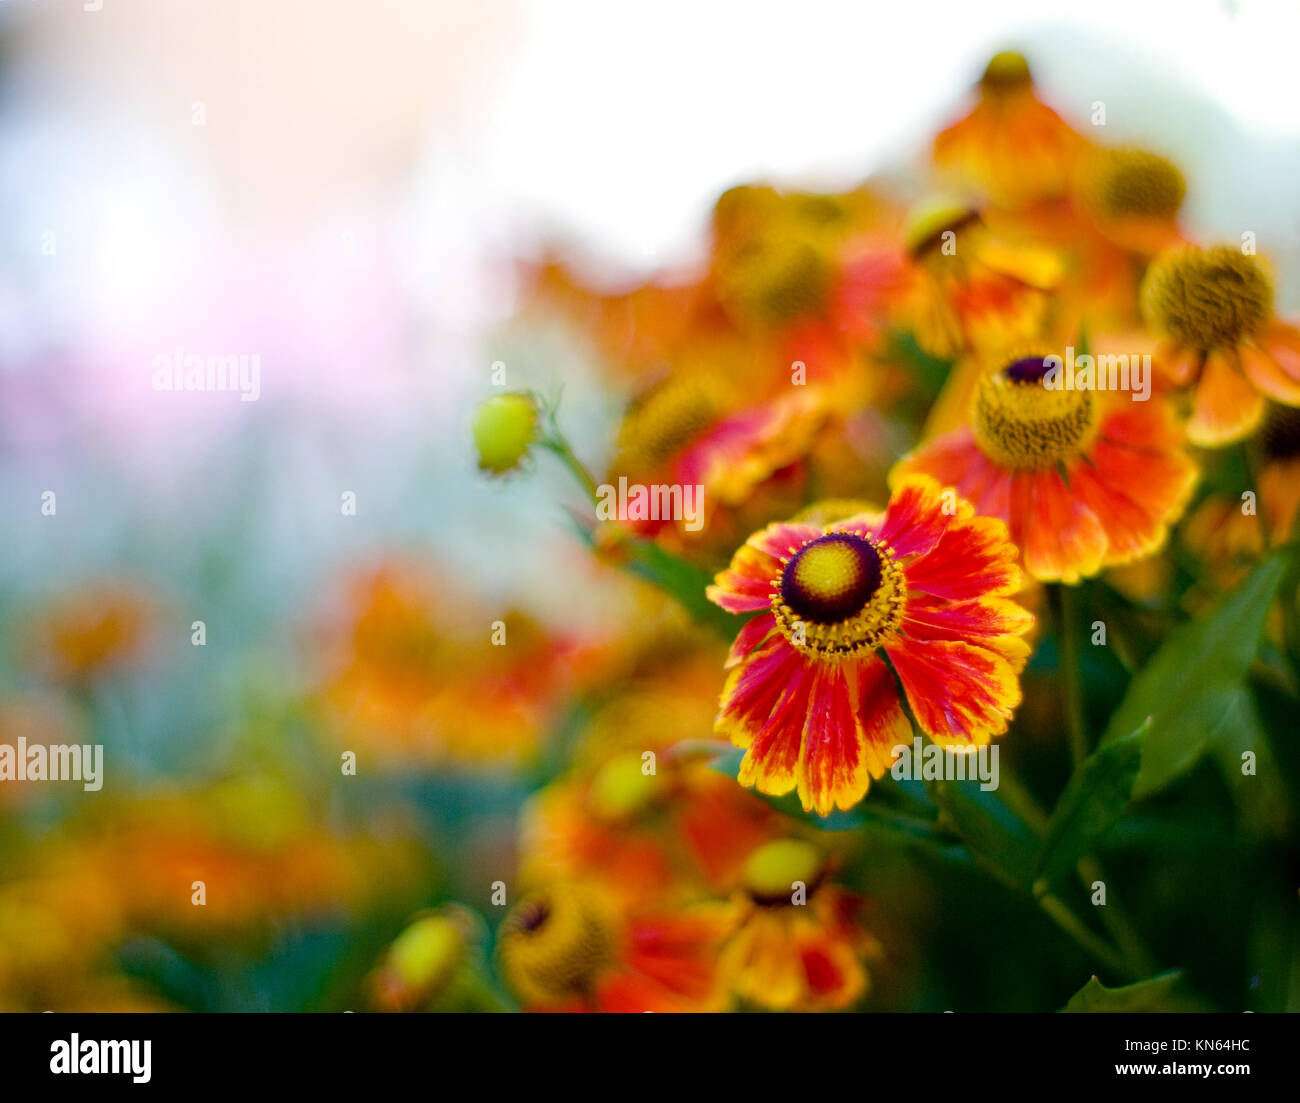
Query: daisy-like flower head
pixel 1279 481
pixel 1011 146
pixel 646 835
pixel 1135 183
pixel 965 285
pixel 786 957
pixel 1084 479
pixel 565 948
pixel 925 585
pixel 1214 310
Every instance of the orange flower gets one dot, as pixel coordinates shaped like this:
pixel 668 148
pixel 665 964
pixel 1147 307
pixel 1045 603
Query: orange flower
pixel 413 676
pixel 94 630
pixel 566 948
pixel 966 285
pixel 1214 310
pixel 641 812
pixel 1133 197
pixel 1085 479
pixel 924 585
pixel 1011 147
pixel 693 429
pixel 798 943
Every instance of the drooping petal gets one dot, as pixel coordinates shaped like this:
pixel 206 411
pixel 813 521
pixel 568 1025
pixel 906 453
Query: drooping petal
pixel 1134 492
pixel 1061 538
pixel 1272 374
pixel 765 704
pixel 879 712
pixel 832 767
pixel 753 688
pixel 1227 407
pixel 755 631
pixel 960 694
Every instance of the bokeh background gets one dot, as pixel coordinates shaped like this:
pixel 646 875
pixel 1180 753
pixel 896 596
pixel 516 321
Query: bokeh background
pixel 351 191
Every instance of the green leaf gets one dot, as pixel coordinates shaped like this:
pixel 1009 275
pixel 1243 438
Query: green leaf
pixel 1158 993
pixel 1192 682
pixel 1000 841
pixel 1091 805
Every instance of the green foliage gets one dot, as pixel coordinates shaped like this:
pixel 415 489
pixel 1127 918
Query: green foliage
pixel 1190 685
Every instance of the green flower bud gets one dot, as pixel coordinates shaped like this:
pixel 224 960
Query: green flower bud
pixel 505 427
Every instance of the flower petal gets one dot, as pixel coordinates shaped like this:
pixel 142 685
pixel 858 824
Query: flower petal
pixel 1227 407
pixel 960 693
pixel 749 637
pixel 842 741
pixel 915 519
pixel 746 585
pixel 974 558
pixel 1135 493
pixel 1060 537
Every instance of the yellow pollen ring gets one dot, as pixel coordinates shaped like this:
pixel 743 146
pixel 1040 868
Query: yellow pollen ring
pixel 555 944
pixel 828 571
pixel 868 604
pixel 1026 425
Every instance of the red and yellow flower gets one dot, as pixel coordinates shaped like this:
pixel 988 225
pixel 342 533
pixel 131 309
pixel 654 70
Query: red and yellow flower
pixel 1213 308
pixel 798 943
pixel 1011 147
pixel 1084 479
pixel 639 810
pixel 412 675
pixel 966 285
pixel 566 947
pixel 919 593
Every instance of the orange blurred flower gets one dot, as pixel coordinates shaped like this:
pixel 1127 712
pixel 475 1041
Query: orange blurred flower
pixel 1011 147
pixel 798 944
pixel 1084 479
pixel 1214 310
pixel 567 948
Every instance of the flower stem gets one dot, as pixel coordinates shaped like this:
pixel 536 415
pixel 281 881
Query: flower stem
pixel 1071 925
pixel 556 442
pixel 1068 635
pixel 1116 922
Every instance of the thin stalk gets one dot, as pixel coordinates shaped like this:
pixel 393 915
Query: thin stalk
pixel 1071 925
pixel 1068 634
pixel 555 442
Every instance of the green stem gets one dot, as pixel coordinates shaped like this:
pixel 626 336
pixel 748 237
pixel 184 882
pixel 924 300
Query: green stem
pixel 1071 925
pixel 1068 634
pixel 555 442
pixel 1116 921
pixel 1016 797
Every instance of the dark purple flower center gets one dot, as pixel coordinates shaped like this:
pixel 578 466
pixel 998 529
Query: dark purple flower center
pixel 831 578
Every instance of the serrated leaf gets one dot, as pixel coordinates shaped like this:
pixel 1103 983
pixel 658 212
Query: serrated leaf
pixel 1191 683
pixel 1091 805
pixel 1158 993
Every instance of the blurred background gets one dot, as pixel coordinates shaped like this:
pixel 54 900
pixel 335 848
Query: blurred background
pixel 351 193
